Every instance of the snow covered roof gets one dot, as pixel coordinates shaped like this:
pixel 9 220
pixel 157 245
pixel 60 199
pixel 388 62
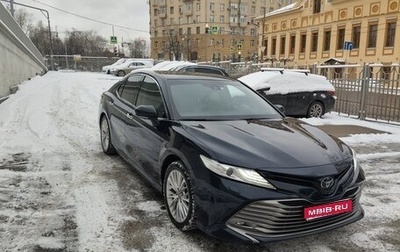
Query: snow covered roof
pixel 168 65
pixel 287 8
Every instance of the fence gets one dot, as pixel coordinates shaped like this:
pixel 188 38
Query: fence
pixel 83 63
pixel 369 91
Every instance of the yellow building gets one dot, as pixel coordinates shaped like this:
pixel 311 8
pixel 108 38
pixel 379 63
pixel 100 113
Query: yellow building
pixel 323 31
pixel 178 28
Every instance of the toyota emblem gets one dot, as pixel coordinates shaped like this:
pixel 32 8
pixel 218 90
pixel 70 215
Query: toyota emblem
pixel 327 182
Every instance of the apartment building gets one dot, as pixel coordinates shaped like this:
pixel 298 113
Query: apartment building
pixel 331 32
pixel 205 30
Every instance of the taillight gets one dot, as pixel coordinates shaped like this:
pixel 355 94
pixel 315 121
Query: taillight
pixel 332 93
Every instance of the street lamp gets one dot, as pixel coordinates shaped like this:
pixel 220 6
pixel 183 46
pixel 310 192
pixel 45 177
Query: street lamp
pixel 205 41
pixel 47 15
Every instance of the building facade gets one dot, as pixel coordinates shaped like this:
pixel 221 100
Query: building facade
pixel 205 30
pixel 324 31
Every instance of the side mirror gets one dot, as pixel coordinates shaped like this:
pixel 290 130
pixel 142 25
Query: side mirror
pixel 280 108
pixel 148 111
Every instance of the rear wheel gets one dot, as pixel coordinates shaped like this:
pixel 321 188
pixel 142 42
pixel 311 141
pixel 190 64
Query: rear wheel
pixel 105 137
pixel 179 198
pixel 316 109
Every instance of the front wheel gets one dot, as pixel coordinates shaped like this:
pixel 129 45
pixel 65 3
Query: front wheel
pixel 105 137
pixel 179 198
pixel 121 73
pixel 316 109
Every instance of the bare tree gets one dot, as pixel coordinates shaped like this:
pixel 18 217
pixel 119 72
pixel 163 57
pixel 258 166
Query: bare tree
pixel 139 48
pixel 24 19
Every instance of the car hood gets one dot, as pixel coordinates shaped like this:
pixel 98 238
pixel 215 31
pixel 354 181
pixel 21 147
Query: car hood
pixel 268 144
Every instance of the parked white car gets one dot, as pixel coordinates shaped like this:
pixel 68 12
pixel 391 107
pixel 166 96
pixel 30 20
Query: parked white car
pixel 127 67
pixel 108 68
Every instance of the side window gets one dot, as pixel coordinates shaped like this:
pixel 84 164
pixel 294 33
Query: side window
pixel 131 88
pixel 208 71
pixel 150 95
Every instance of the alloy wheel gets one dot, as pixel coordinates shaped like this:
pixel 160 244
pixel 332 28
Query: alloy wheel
pixel 177 195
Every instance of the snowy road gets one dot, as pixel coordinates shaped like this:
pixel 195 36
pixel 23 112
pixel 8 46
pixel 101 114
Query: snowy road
pixel 58 192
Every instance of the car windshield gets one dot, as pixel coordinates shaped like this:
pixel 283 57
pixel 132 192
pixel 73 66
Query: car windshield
pixel 204 99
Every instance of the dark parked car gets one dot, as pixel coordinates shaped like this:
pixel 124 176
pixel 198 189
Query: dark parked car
pixel 227 161
pixel 300 93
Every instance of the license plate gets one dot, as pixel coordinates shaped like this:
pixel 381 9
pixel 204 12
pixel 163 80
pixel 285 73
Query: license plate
pixel 335 208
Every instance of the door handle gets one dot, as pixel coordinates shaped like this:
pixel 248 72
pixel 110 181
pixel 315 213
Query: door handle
pixel 129 115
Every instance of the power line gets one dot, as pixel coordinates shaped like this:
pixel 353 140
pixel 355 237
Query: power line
pixel 90 19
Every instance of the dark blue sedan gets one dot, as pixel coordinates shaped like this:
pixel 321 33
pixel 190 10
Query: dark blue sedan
pixel 227 161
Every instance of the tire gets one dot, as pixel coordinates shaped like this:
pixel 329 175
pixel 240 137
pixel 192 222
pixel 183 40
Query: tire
pixel 105 137
pixel 316 109
pixel 121 73
pixel 178 196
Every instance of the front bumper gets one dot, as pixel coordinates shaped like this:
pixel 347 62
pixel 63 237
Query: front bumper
pixel 239 212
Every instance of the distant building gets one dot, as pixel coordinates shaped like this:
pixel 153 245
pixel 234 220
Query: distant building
pixel 178 28
pixel 321 31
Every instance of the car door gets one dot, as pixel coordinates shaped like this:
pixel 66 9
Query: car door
pixel 144 137
pixel 121 109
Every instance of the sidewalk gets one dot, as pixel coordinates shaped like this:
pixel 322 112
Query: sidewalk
pixel 347 130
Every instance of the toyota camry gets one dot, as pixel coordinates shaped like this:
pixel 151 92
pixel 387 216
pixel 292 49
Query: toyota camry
pixel 226 160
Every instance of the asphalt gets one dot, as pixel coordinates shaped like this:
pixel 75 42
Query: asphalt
pixel 347 130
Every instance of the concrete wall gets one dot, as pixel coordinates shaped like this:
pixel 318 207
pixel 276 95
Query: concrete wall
pixel 19 58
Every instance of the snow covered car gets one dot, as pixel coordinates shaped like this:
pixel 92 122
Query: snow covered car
pixel 300 93
pixel 108 68
pixel 226 160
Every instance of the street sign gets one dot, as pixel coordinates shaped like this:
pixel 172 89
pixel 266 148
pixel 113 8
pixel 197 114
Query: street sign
pixel 348 45
pixel 214 29
pixel 113 40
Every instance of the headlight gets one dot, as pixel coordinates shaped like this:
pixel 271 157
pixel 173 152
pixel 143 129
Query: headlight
pixel 356 165
pixel 239 174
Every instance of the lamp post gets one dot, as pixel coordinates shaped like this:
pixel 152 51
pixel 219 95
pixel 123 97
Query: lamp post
pixel 205 41
pixel 47 15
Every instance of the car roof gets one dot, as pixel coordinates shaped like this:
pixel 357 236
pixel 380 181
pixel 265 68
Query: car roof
pixel 287 81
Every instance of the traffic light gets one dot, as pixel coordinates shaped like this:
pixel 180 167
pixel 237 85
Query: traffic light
pixel 115 51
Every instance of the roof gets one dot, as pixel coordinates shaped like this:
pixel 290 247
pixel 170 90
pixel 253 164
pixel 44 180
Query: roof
pixel 291 7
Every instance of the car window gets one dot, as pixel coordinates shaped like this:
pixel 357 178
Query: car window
pixel 150 94
pixel 130 89
pixel 218 99
pixel 208 70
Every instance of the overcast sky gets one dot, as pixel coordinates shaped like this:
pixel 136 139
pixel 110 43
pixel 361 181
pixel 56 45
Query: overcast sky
pixel 132 14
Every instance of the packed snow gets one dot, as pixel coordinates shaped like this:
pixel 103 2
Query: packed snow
pixel 59 192
pixel 284 82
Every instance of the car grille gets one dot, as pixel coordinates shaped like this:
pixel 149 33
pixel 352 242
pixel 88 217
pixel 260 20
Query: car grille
pixel 274 218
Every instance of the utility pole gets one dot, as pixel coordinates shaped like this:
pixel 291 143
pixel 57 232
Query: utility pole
pixel 12 7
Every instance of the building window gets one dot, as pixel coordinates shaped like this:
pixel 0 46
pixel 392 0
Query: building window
pixel 265 47
pixel 212 7
pixel 222 7
pixel 171 21
pixel 283 45
pixel 197 19
pixel 327 40
pixel 273 46
pixel 314 41
pixel 222 19
pixel 356 37
pixel 212 18
pixel 198 6
pixel 340 39
pixel 189 31
pixel 171 10
pixel 317 6
pixel 189 19
pixel 292 44
pixel 198 30
pixel 303 43
pixel 390 34
pixel 252 42
pixel 155 12
pixel 180 31
pixel 253 32
pixel 253 10
pixel 243 19
pixel 372 34
pixel 263 10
